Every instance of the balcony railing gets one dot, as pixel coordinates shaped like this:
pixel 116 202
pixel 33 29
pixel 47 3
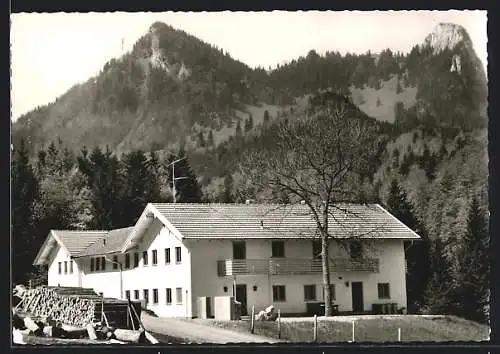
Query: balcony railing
pixel 290 266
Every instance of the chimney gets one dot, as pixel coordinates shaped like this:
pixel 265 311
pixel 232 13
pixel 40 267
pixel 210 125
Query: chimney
pixel 302 202
pixel 249 201
pixel 104 242
pixel 262 224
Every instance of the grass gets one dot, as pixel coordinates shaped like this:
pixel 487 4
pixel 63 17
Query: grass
pixel 366 99
pixel 413 329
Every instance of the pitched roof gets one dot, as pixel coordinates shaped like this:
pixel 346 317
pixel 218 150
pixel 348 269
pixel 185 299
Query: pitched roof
pixel 263 221
pixel 73 242
pixel 76 242
pixel 237 221
pixel 109 243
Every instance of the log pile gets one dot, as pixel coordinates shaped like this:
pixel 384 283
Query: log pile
pixel 74 310
pixel 64 312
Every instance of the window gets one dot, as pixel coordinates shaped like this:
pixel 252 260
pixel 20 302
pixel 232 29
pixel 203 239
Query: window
pixel 59 264
pixel 309 292
pixel 356 249
pixel 136 294
pixel 91 265
pixel 146 295
pixel 278 249
pixel 136 259
pixel 127 260
pixel 115 262
pixel 145 258
pixel 279 293
pixel 167 255
pixel 178 295
pixel 155 296
pixel 383 291
pixel 103 261
pixel 178 255
pixel 169 296
pixel 97 263
pixel 155 257
pixel 316 248
pixel 65 267
pixel 71 267
pixel 239 250
pixel 127 294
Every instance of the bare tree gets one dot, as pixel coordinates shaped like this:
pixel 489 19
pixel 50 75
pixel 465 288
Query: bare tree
pixel 316 160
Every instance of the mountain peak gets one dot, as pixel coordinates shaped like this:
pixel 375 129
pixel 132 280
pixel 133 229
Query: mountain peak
pixel 446 36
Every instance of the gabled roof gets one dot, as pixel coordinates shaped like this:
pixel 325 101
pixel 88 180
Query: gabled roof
pixel 111 242
pixel 265 221
pixel 232 221
pixel 83 243
pixel 73 242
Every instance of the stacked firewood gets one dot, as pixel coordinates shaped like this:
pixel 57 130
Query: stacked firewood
pixel 71 310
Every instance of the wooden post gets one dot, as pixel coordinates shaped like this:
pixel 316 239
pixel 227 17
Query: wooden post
pixel 315 337
pixel 128 316
pixel 279 324
pixel 102 307
pixel 353 331
pixel 91 331
pixel 105 319
pixel 399 334
pixel 252 323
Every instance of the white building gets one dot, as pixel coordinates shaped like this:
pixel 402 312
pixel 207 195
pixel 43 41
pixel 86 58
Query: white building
pixel 265 254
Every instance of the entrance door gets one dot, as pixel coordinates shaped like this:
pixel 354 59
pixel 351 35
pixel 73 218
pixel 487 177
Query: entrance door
pixel 241 296
pixel 357 296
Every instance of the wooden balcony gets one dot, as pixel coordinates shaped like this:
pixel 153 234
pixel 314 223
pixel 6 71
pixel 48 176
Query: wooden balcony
pixel 291 266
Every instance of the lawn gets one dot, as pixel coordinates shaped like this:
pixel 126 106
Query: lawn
pixel 413 328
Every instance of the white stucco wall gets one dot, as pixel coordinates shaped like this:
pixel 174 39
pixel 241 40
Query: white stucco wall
pixel 197 274
pixel 206 282
pixel 160 276
pixel 54 278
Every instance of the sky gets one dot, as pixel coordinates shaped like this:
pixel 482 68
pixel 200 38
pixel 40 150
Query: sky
pixel 51 52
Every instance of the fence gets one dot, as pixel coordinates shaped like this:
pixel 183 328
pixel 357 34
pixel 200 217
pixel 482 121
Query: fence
pixel 320 330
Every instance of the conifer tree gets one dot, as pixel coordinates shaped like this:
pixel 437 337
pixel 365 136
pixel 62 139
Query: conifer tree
pixel 104 180
pixel 24 196
pixel 473 290
pixel 210 139
pixel 201 139
pixel 266 117
pixel 227 193
pixel 417 253
pixel 137 179
pixel 440 295
pixel 238 132
pixel 398 85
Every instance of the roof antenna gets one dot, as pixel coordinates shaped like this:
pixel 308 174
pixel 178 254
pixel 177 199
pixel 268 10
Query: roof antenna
pixel 173 176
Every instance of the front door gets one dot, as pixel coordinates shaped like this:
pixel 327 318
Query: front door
pixel 357 296
pixel 241 296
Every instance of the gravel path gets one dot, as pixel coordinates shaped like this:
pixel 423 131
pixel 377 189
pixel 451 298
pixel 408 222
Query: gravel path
pixel 198 333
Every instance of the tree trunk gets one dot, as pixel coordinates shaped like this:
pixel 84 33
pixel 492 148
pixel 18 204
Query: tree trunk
pixel 325 264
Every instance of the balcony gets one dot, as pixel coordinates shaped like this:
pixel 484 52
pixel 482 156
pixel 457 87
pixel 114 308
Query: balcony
pixel 292 266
